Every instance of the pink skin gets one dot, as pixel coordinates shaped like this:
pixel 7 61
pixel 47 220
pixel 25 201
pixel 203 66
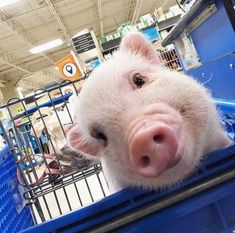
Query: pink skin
pixel 157 133
pixel 153 149
pixel 79 145
pixel 153 145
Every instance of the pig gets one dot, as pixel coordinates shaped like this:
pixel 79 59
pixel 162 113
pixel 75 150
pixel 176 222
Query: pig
pixel 148 126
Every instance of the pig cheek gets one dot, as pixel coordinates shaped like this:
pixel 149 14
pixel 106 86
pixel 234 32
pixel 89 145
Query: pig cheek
pixel 74 139
pixel 192 153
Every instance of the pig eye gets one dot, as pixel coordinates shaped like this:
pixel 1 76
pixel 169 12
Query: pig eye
pixel 182 110
pixel 100 136
pixel 138 80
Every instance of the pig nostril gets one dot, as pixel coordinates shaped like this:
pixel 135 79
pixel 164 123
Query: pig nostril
pixel 145 161
pixel 158 138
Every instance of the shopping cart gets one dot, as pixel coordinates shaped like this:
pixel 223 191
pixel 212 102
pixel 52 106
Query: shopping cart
pixel 56 180
pixel 227 110
pixel 50 190
pixel 204 203
pixel 170 59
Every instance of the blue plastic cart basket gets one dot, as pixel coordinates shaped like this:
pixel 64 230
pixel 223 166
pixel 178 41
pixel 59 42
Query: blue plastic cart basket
pixel 204 203
pixel 14 215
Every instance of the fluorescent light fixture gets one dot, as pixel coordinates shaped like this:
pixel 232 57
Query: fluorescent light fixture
pixel 4 3
pixel 19 89
pixel 43 47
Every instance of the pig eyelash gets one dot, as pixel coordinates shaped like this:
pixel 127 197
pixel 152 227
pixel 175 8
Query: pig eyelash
pixel 138 80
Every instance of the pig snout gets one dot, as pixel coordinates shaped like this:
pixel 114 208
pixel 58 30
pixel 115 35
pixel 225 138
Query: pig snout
pixel 154 147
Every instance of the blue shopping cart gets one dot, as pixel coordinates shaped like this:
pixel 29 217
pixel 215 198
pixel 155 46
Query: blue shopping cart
pixel 80 202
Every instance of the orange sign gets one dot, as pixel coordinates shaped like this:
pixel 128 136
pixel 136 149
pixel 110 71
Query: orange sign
pixel 69 68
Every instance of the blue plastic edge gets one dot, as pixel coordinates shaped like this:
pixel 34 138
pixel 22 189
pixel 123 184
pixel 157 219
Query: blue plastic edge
pixel 92 215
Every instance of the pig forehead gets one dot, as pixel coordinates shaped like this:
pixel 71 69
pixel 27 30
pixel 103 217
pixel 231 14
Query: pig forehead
pixel 108 84
pixel 123 63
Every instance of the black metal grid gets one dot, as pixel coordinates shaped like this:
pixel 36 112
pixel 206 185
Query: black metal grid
pixel 22 138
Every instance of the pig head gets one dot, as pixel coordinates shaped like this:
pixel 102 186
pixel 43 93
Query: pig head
pixel 149 126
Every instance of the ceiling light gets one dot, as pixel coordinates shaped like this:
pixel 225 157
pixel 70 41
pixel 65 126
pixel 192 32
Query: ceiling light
pixel 19 89
pixel 4 3
pixel 43 47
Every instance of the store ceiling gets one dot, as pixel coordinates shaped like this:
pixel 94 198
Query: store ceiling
pixel 31 22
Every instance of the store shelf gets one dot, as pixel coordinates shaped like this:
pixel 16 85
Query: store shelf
pixel 167 23
pixel 195 10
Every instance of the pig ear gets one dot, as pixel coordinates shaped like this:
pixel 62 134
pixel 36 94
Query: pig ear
pixel 135 42
pixel 76 142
